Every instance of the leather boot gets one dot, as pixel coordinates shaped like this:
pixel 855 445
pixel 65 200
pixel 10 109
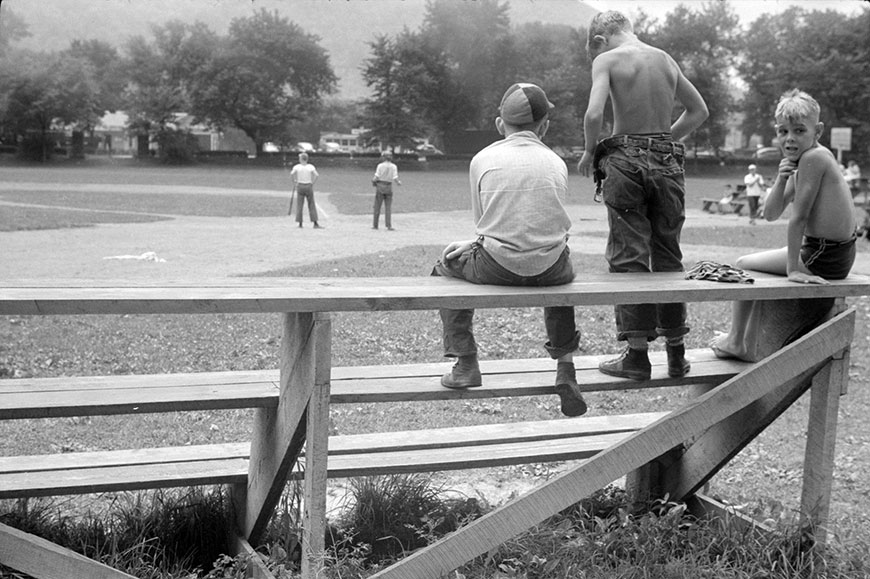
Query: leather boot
pixel 568 390
pixel 465 373
pixel 677 364
pixel 631 363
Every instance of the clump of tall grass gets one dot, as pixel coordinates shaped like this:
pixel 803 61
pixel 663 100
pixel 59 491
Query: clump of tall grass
pixel 604 540
pixel 183 535
pixel 393 515
pixel 151 535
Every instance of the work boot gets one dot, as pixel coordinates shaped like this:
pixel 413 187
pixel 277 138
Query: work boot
pixel 317 225
pixel 678 366
pixel 631 363
pixel 465 374
pixel 568 390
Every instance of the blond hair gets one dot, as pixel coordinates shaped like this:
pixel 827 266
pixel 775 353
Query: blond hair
pixel 796 104
pixel 607 24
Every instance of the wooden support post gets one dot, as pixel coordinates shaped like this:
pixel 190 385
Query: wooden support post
pixel 316 450
pixel 827 388
pixel 279 433
pixel 705 455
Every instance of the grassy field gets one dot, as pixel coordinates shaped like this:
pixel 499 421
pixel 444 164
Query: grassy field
pixel 763 480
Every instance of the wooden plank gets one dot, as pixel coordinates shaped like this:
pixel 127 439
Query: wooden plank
pixel 690 421
pixel 46 464
pixel 350 455
pixel 123 478
pixel 43 559
pixel 136 394
pixel 487 435
pixel 820 452
pixel 431 460
pixel 109 401
pixel 395 294
pixel 279 434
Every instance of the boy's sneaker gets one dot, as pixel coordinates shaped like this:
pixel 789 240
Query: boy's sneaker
pixel 631 363
pixel 678 366
pixel 465 374
pixel 568 390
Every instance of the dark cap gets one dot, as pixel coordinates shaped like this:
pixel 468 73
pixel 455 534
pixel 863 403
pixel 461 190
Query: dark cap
pixel 524 103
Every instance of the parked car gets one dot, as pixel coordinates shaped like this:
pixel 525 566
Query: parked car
pixel 427 149
pixel 767 153
pixel 303 147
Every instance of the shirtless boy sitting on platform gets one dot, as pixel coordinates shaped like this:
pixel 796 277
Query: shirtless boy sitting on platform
pixel 822 226
pixel 639 172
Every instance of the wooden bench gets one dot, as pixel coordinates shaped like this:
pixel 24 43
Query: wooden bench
pixel 713 205
pixel 292 404
pixel 349 455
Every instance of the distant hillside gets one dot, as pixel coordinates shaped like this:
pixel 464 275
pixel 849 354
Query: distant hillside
pixel 344 26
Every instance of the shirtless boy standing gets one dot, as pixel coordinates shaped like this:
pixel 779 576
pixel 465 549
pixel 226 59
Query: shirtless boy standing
pixel 639 171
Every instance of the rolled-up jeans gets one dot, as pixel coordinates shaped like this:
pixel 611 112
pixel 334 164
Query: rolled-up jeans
pixel 477 266
pixel 644 192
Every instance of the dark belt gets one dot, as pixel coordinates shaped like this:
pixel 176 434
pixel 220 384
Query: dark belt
pixel 657 145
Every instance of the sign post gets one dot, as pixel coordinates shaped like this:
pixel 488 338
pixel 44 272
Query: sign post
pixel 841 139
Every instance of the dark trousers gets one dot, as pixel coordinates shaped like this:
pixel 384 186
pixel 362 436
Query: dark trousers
pixel 477 266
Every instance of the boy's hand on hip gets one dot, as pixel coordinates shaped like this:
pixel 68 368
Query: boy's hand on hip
pixel 585 164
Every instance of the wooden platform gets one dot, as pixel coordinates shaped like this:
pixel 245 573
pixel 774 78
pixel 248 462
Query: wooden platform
pixel 684 448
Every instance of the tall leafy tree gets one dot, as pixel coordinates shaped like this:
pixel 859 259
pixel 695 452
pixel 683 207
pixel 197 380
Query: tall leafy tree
pixel 554 57
pixel 414 90
pixel 825 53
pixel 160 73
pixel 476 39
pixel 107 68
pixel 266 76
pixel 704 41
pixel 390 113
pixel 46 93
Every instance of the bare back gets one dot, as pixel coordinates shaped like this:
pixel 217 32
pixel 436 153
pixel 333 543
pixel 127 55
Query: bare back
pixel 823 196
pixel 643 87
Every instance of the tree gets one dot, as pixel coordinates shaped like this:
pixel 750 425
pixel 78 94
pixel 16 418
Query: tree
pixel 390 114
pixel 476 40
pixel 704 43
pixel 554 57
pixel 159 76
pixel 414 91
pixel 45 93
pixel 266 76
pixel 824 53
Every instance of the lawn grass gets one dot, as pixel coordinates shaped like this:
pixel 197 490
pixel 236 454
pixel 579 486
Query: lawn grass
pixel 763 480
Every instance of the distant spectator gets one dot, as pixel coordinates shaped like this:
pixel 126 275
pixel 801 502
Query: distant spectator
pixel 385 174
pixel 853 175
pixel 754 190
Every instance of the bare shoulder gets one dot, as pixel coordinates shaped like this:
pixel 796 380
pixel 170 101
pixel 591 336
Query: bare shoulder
pixel 818 158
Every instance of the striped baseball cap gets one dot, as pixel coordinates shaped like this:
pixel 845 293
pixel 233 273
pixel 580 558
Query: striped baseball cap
pixel 524 103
